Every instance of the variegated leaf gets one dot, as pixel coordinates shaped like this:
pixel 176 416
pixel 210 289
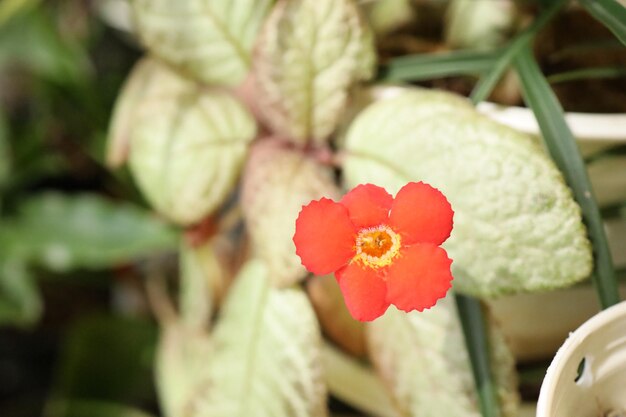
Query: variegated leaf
pixel 187 144
pixel 266 358
pixel 278 181
pixel 310 52
pixel 423 360
pixel 516 226
pixel 210 40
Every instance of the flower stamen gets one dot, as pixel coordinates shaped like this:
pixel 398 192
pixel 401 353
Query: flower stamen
pixel 377 246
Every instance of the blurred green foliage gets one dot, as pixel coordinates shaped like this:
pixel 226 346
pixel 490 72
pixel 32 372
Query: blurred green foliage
pixel 71 233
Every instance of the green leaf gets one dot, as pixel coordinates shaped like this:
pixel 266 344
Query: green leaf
pixel 587 74
pixel 20 302
pixel 209 40
pixel 610 13
pixel 477 342
pixel 488 82
pixel 182 364
pixel 277 182
pixel 11 8
pixel 187 143
pixel 516 225
pixel 266 360
pixel 106 358
pixel 90 408
pixel 562 146
pixel 309 54
pixel 428 66
pixel 62 232
pixel 424 362
pixel 32 41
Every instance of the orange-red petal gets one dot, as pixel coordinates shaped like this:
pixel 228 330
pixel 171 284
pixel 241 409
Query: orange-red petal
pixel 421 214
pixel 364 291
pixel 368 205
pixel 419 277
pixel 325 237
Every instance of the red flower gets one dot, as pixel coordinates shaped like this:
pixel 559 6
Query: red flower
pixel 383 250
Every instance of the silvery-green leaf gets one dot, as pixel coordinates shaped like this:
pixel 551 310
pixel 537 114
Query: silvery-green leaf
pixel 266 358
pixel 200 279
pixel 388 15
pixel 516 225
pixel 424 362
pixel 182 362
pixel 310 52
pixel 479 24
pixel 210 40
pixel 187 144
pixel 61 232
pixel 277 182
pixel 118 140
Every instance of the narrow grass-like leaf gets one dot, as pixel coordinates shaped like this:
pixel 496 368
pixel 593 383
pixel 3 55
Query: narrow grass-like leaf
pixel 610 13
pixel 587 73
pixel 562 146
pixel 427 66
pixel 476 340
pixel 488 82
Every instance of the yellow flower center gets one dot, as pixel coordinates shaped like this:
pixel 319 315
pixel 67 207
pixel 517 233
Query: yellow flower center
pixel 377 246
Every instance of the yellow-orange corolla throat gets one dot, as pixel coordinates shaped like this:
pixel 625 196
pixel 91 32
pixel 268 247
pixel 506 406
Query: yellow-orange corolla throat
pixel 377 246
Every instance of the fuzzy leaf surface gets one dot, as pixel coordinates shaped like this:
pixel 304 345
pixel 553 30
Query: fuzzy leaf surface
pixel 266 360
pixel 210 40
pixel 516 225
pixel 424 362
pixel 310 52
pixel 187 144
pixel 277 183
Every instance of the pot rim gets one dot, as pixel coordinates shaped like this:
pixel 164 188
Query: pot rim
pixel 586 126
pixel 568 350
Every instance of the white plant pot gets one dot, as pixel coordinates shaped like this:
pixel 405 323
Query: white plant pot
pixel 536 325
pixel 597 388
pixel 594 132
